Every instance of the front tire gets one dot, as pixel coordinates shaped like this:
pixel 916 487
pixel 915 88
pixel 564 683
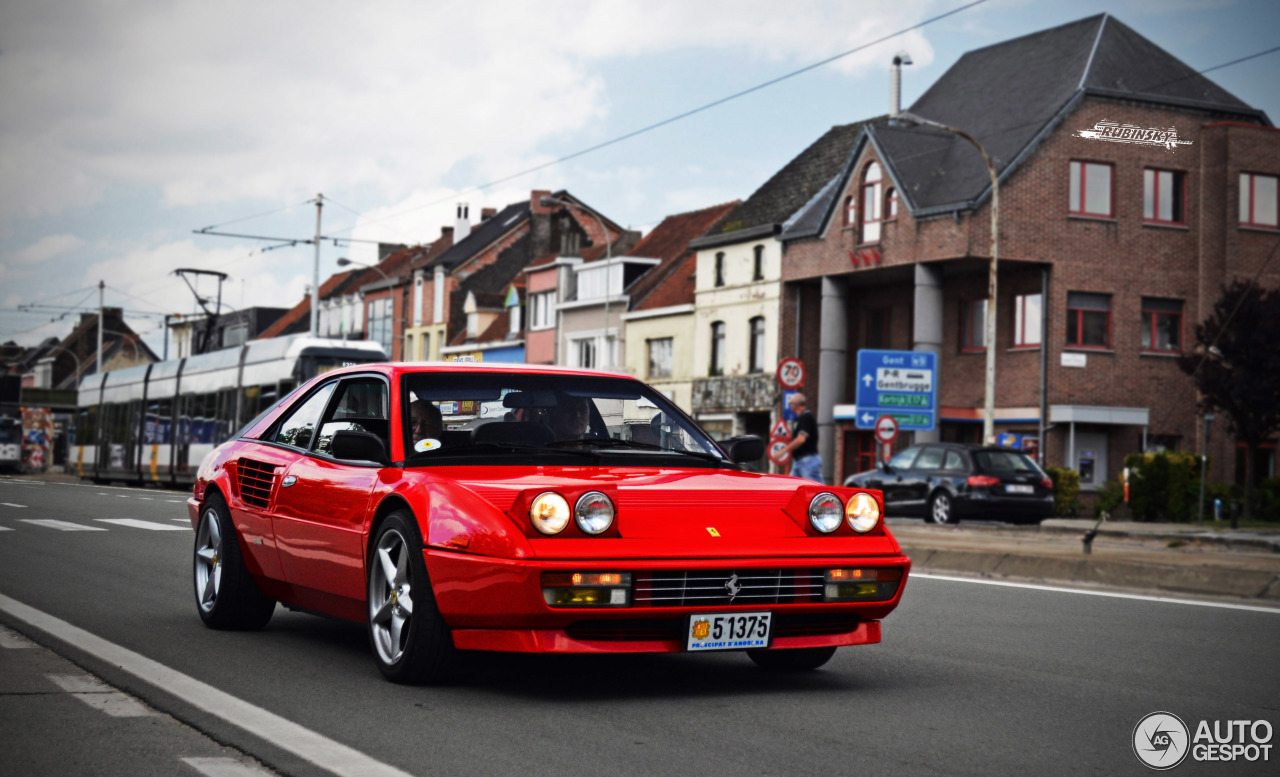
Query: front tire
pixel 942 509
pixel 410 641
pixel 797 660
pixel 226 596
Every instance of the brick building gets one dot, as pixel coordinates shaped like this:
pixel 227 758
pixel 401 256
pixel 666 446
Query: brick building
pixel 1131 190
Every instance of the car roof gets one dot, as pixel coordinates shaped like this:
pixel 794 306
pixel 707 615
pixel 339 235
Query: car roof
pixel 394 369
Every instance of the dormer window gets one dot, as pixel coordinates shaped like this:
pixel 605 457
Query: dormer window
pixel 871 202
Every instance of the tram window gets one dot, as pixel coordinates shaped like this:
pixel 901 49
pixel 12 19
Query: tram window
pixel 300 426
pixel 87 426
pixel 156 430
pixel 361 407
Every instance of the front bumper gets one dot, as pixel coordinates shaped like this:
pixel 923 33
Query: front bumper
pixel 497 604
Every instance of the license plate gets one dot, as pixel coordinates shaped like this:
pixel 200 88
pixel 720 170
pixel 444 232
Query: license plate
pixel 1012 489
pixel 728 631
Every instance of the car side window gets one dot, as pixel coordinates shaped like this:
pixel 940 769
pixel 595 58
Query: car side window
pixel 930 459
pixel 903 460
pixel 361 406
pixel 955 461
pixel 299 427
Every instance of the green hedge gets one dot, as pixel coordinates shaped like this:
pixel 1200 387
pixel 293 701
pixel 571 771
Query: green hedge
pixel 1163 486
pixel 1066 490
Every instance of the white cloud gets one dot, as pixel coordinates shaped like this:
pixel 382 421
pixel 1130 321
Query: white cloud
pixel 217 102
pixel 22 263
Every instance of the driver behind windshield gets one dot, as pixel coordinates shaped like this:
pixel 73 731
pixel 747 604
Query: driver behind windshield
pixel 570 418
pixel 425 419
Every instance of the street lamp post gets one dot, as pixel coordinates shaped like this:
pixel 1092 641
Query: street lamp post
pixel 988 411
pixel 547 202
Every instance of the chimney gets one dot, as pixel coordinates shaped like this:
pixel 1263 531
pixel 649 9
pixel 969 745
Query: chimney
pixel 462 225
pixel 895 83
pixel 488 213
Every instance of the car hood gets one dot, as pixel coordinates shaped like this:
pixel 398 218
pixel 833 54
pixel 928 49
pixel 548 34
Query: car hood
pixel 676 512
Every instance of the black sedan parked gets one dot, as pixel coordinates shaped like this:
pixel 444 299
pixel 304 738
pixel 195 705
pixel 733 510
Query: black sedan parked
pixel 944 482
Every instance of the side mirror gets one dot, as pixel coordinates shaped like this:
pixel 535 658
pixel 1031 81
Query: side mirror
pixel 884 465
pixel 359 446
pixel 743 449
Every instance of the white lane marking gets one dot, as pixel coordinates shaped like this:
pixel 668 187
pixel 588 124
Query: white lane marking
pixel 1109 594
pixel 181 520
pixel 302 742
pixel 12 640
pixel 6 528
pixel 225 767
pixel 146 499
pixel 50 523
pixel 123 496
pixel 177 501
pixel 100 696
pixel 11 504
pixel 134 523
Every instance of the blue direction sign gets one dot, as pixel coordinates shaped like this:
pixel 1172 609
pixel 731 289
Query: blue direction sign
pixel 902 384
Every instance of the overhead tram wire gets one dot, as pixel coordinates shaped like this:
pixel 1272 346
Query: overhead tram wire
pixel 677 117
pixel 258 215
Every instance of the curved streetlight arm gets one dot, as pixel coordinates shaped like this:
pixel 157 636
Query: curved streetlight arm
pixel 988 411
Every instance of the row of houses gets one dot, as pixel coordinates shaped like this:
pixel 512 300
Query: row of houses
pixel 1131 190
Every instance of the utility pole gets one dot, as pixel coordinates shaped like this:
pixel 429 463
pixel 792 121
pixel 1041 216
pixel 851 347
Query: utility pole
pixel 315 274
pixel 97 360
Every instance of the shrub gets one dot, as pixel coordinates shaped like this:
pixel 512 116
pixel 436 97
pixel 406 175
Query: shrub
pixel 1066 490
pixel 1268 500
pixel 1163 486
pixel 1110 496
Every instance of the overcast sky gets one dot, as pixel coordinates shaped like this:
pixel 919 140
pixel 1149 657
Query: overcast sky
pixel 126 125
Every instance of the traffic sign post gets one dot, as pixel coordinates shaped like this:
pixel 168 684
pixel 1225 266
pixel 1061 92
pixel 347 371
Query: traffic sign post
pixel 899 384
pixel 778 453
pixel 780 429
pixel 886 431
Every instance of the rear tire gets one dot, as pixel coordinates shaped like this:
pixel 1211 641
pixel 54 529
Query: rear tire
pixel 942 509
pixel 410 640
pixel 798 660
pixel 226 596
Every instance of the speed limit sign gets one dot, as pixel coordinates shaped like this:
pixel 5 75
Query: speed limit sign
pixel 778 453
pixel 791 373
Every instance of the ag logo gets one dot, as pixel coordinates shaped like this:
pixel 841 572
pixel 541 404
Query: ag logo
pixel 1160 740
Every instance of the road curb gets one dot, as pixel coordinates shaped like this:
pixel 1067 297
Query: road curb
pixel 1182 578
pixel 1235 540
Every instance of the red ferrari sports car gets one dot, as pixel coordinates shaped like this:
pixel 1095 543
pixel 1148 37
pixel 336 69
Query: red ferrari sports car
pixel 533 509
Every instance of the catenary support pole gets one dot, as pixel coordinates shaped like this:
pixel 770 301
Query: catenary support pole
pixel 315 274
pixel 97 359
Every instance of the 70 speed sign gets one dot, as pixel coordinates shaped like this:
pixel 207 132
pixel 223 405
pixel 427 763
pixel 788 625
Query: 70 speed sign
pixel 791 373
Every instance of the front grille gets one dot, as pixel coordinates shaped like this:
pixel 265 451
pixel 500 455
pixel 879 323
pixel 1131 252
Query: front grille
pixel 673 629
pixel 254 480
pixel 715 587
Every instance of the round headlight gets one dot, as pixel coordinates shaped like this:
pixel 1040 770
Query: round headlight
pixel 863 513
pixel 824 512
pixel 593 512
pixel 549 512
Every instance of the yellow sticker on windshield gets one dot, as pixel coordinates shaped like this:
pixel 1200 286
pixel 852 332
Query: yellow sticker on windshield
pixel 426 445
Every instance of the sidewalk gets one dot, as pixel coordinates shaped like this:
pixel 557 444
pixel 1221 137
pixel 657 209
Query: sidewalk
pixel 1169 558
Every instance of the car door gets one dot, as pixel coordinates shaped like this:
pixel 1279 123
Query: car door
pixel 919 479
pixel 893 482
pixel 320 512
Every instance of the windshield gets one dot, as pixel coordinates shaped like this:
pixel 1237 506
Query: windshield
pixel 545 419
pixel 1005 461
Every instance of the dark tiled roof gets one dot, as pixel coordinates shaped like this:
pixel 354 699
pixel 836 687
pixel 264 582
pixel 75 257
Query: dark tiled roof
pixel 796 183
pixel 1007 94
pixel 490 279
pixel 669 241
pixel 482 235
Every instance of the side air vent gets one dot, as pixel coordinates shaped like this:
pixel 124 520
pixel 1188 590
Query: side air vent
pixel 254 479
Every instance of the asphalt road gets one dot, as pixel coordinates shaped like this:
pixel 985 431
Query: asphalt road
pixel 970 679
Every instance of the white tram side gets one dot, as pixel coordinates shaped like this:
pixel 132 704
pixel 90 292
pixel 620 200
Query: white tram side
pixel 156 422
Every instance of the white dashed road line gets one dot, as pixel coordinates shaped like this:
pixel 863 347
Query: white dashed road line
pixel 101 696
pixel 11 504
pixel 224 767
pixel 50 523
pixel 6 528
pixel 134 523
pixel 299 740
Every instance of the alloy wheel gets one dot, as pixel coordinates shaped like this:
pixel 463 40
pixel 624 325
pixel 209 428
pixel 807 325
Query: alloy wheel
pixel 390 597
pixel 208 560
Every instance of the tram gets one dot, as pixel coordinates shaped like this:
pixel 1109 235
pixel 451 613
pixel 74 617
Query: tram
pixel 154 423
